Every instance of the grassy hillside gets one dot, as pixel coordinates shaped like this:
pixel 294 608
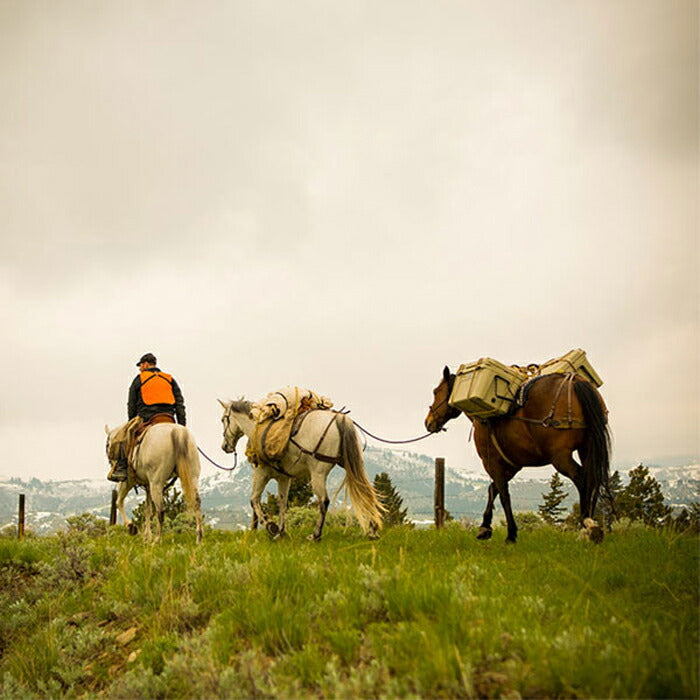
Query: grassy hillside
pixel 417 613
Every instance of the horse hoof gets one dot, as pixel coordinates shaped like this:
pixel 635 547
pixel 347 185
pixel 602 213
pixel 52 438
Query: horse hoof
pixel 314 538
pixel 510 540
pixel 484 533
pixel 591 531
pixel 272 529
pixel 132 529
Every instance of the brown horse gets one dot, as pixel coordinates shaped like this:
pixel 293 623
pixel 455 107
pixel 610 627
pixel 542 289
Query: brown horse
pixel 562 413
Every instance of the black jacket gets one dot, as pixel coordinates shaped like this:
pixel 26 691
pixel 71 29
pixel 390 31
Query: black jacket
pixel 136 406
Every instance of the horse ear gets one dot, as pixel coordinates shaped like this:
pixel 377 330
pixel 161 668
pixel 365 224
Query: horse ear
pixel 446 373
pixel 107 430
pixel 225 404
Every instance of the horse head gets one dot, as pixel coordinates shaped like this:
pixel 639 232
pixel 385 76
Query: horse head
pixel 233 431
pixel 440 410
pixel 110 449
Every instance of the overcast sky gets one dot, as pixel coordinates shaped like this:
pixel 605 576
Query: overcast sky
pixel 345 196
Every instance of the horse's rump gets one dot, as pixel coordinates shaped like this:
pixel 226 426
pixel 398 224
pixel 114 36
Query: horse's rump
pixel 315 447
pixel 553 401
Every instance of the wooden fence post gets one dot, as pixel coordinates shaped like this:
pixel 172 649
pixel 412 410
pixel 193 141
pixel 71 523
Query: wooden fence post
pixel 439 492
pixel 20 519
pixel 113 508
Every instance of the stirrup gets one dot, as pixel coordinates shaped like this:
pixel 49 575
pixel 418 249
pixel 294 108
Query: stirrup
pixel 118 474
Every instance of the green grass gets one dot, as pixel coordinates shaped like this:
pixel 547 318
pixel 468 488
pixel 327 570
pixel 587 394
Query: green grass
pixel 418 613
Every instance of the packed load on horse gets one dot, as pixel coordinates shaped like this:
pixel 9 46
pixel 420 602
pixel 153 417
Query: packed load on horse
pixel 530 417
pixel 277 417
pixel 487 388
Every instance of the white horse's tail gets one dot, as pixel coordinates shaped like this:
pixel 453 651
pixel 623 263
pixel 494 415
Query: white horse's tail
pixel 188 468
pixel 365 501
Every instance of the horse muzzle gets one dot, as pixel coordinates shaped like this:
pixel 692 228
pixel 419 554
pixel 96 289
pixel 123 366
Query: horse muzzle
pixel 431 424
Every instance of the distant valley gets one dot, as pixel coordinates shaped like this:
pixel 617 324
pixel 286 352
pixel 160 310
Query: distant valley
pixel 225 495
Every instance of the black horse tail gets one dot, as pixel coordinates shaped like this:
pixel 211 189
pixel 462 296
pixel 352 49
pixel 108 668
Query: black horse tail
pixel 595 453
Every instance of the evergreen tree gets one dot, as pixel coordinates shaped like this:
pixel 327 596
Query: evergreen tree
pixel 642 499
pixel 552 509
pixel 389 496
pixel 300 494
pixel 173 505
pixel 607 501
pixel 688 520
pixel 573 519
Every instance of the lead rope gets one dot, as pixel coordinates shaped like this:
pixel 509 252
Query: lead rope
pixel 218 466
pixel 394 442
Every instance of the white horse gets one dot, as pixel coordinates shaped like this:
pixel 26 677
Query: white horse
pixel 324 439
pixel 167 449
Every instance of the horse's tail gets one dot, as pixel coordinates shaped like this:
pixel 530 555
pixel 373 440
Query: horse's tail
pixel 188 468
pixel 595 455
pixel 365 502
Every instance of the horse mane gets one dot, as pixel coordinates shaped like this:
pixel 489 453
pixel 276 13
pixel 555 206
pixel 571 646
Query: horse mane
pixel 242 406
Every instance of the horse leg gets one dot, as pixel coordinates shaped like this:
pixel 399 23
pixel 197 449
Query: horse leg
pixel 504 494
pixel 260 479
pixel 283 484
pixel 318 486
pixel 567 466
pixel 485 530
pixel 592 491
pixel 122 491
pixel 147 514
pixel 157 498
pixel 198 518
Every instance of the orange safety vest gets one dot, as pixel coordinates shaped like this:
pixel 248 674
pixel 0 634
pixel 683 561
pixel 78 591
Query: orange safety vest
pixel 156 387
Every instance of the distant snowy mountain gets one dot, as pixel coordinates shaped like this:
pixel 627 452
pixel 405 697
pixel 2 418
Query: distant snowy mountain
pixel 226 495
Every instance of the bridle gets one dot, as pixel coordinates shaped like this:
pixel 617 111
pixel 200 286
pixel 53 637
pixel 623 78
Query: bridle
pixel 112 455
pixel 231 440
pixel 433 408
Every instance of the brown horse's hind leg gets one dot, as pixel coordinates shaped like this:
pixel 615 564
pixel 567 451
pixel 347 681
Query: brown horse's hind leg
pixel 590 490
pixel 567 466
pixel 485 530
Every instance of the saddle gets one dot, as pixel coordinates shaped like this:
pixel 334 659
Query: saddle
pixel 130 436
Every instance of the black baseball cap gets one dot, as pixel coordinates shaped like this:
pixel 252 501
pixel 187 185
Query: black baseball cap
pixel 148 357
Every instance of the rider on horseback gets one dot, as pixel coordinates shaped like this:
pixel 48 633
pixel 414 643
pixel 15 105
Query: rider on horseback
pixel 154 396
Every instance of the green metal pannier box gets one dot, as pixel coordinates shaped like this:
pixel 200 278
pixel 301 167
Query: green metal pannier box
pixel 574 361
pixel 485 388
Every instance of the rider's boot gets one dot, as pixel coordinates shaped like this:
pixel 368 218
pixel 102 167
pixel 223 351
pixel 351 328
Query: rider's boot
pixel 119 472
